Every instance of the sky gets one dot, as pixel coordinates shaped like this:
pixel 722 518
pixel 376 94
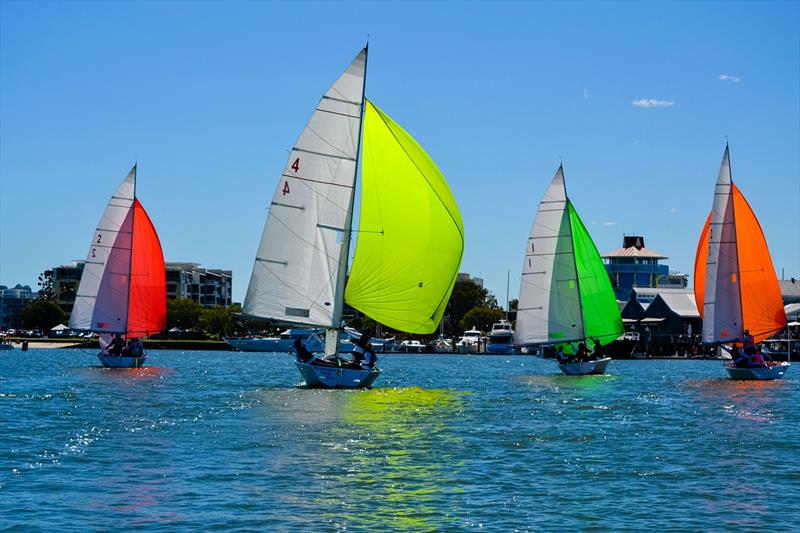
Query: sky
pixel 636 99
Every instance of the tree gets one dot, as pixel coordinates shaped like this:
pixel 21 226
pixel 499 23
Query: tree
pixel 481 318
pixel 42 314
pixel 467 295
pixel 183 313
pixel 512 310
pixel 217 321
pixel 46 286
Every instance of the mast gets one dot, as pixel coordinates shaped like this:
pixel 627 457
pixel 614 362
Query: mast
pixel 332 334
pixel 574 260
pixel 735 240
pixel 130 256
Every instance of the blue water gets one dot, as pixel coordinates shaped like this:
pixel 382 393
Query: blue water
pixel 216 440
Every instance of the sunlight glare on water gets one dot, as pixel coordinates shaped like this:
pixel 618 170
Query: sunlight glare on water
pixel 210 440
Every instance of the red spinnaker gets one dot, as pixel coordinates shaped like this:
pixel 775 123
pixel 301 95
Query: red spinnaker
pixel 147 306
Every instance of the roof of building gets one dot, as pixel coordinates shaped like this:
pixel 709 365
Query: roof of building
pixel 633 246
pixel 632 251
pixel 681 303
pixel 790 291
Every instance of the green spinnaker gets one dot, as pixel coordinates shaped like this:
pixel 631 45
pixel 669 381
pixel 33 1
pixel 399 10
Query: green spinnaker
pixel 601 318
pixel 410 236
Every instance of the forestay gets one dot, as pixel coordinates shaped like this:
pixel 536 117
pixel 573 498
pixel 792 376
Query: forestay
pixel 410 237
pixel 304 247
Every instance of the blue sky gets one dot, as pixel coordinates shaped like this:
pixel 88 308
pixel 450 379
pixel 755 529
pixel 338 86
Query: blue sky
pixel 208 97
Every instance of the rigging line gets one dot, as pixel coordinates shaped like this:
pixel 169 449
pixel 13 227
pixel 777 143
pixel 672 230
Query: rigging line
pixel 332 183
pixel 310 302
pixel 312 245
pixel 335 113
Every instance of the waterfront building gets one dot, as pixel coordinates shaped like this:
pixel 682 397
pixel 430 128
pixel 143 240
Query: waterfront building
pixel 208 287
pixel 463 276
pixel 12 302
pixel 790 291
pixel 634 265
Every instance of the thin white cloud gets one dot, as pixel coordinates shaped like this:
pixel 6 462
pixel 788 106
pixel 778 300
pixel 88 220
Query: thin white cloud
pixel 651 102
pixel 585 94
pixel 607 223
pixel 728 77
pixel 671 209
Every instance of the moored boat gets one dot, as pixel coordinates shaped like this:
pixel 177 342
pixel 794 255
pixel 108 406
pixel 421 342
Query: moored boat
pixel 470 341
pixel 501 338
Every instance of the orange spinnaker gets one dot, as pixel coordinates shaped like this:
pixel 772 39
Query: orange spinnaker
pixel 147 305
pixel 700 259
pixel 762 303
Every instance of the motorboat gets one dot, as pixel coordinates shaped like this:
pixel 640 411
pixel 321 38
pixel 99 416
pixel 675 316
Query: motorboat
pixel 470 341
pixel 501 338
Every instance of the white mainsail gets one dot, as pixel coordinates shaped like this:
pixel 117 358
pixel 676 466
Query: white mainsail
pixel 302 257
pixel 722 307
pixel 549 307
pixel 109 255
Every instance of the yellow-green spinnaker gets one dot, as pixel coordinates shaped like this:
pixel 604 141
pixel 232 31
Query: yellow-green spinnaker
pixel 410 238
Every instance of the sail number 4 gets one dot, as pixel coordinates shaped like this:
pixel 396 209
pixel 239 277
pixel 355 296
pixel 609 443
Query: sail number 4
pixel 296 167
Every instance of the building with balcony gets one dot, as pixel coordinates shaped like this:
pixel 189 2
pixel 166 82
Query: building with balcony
pixel 634 265
pixel 208 287
pixel 12 302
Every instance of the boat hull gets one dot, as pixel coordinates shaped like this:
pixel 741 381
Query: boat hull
pixel 500 348
pixel 121 361
pixel 587 368
pixel 337 377
pixel 764 373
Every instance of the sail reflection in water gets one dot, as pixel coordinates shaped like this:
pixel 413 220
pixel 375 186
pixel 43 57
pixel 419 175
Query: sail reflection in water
pixel 403 434
pixel 384 458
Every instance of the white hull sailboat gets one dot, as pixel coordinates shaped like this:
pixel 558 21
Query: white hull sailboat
pixel 585 369
pixel 736 281
pixel 404 267
pixel 565 295
pixel 335 375
pixel 772 371
pixel 122 292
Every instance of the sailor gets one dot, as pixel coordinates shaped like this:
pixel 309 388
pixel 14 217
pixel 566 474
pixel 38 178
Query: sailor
pixel 369 354
pixel 303 355
pixel 598 349
pixel 117 345
pixel 583 353
pixel 136 348
pixel 561 357
pixel 748 339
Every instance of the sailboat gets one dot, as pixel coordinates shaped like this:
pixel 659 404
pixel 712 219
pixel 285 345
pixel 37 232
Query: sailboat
pixel 733 263
pixel 565 294
pixel 410 237
pixel 122 294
